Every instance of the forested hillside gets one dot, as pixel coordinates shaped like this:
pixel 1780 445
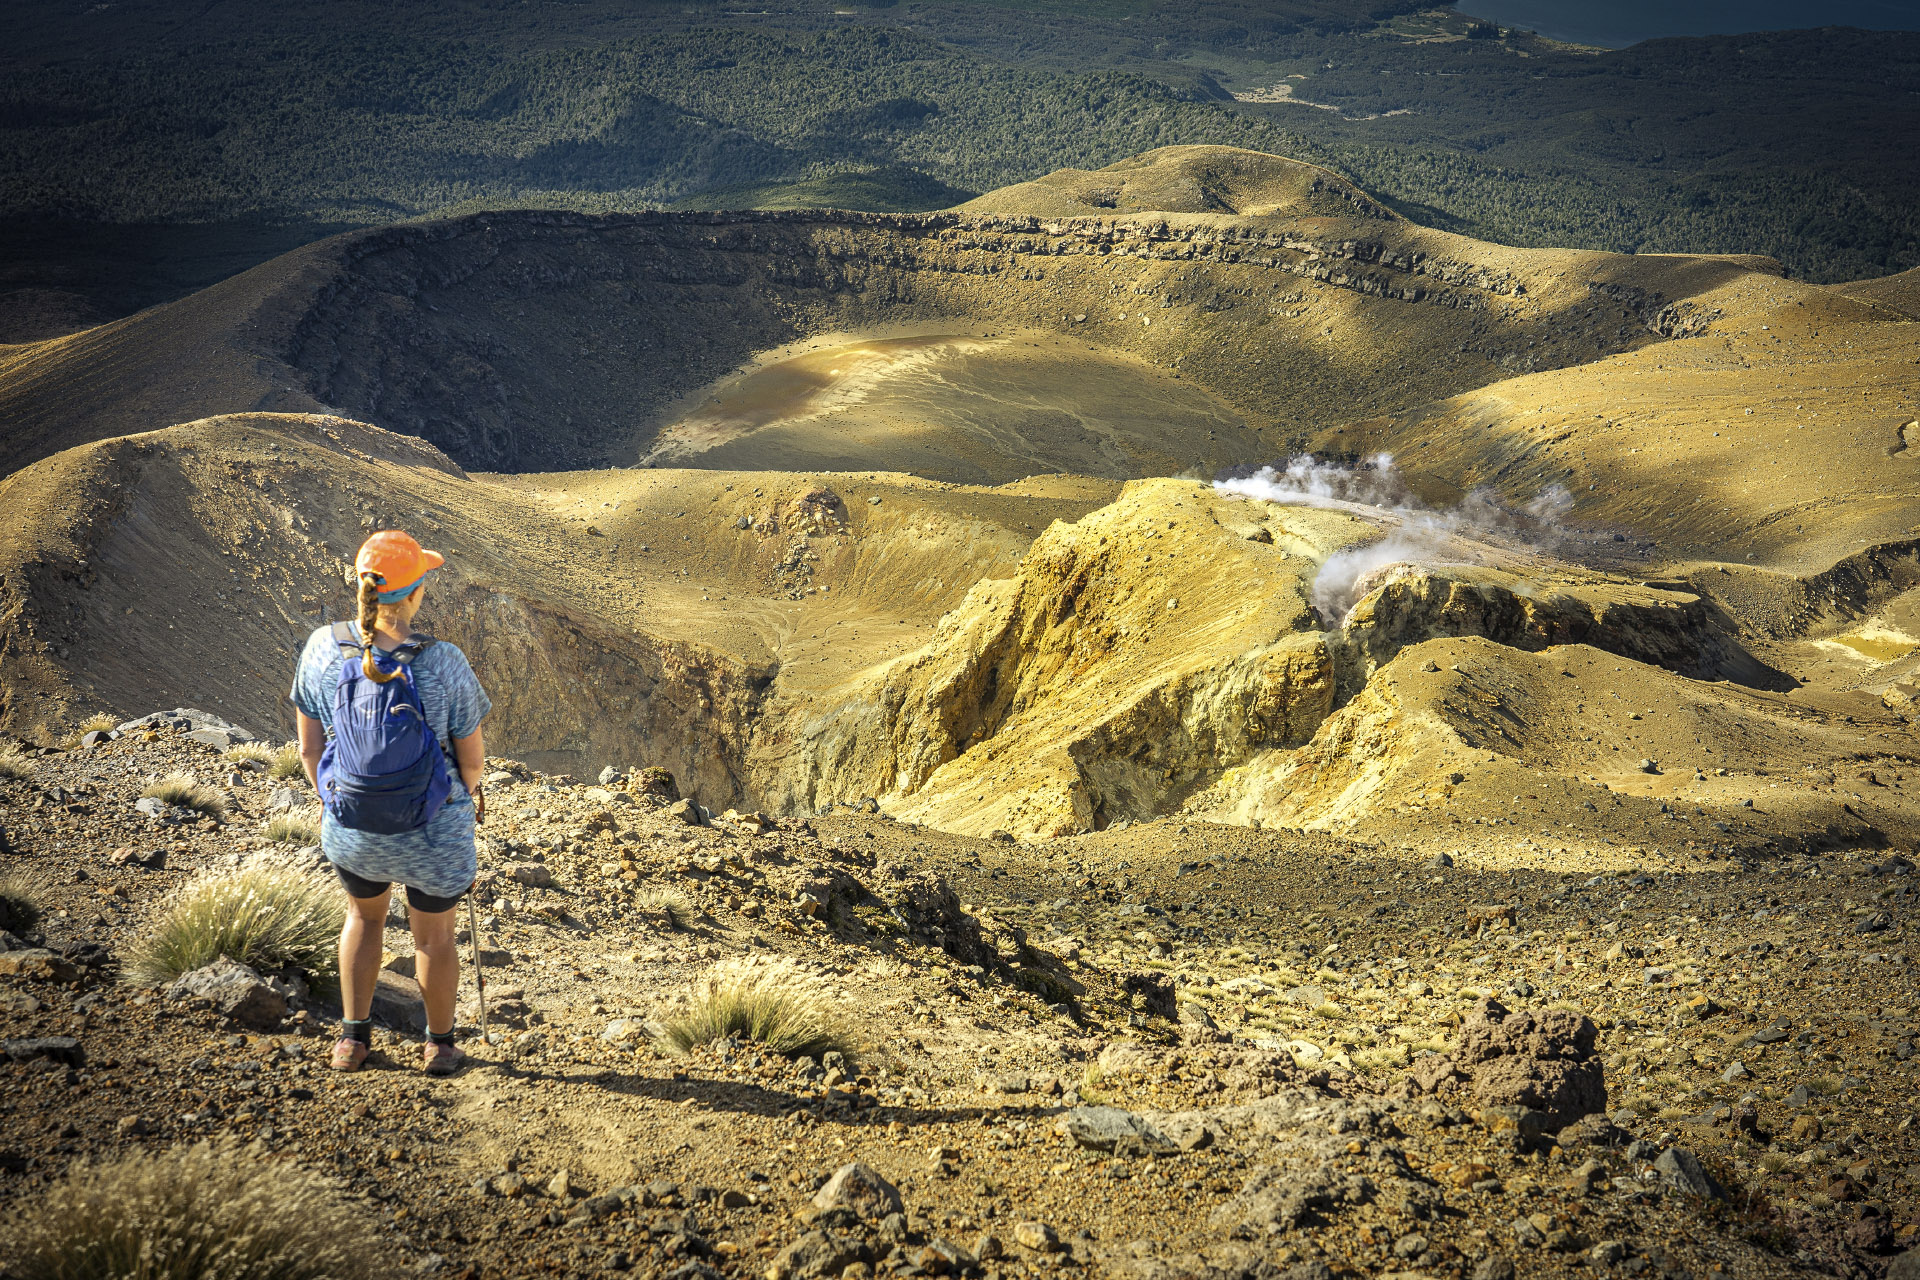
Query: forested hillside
pixel 277 126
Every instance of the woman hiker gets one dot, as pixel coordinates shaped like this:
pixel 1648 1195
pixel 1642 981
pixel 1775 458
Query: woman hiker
pixel 376 702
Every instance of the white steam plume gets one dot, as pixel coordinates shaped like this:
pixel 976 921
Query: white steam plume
pixel 1413 532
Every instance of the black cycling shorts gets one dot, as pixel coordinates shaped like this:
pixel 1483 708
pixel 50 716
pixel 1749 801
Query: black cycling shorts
pixel 358 888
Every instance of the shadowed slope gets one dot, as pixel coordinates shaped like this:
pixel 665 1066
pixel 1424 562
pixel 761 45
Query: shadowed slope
pixel 532 341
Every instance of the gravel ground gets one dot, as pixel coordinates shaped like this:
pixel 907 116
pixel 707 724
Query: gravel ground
pixel 1171 1050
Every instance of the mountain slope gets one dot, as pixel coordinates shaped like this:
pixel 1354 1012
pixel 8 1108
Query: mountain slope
pixel 529 341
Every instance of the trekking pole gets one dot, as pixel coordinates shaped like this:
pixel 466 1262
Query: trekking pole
pixel 473 935
pixel 479 977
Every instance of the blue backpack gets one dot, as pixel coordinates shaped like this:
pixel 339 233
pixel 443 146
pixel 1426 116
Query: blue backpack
pixel 384 770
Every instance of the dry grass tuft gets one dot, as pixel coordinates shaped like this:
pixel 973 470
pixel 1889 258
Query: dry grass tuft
pixel 294 829
pixel 1093 1084
pixel 21 896
pixel 676 906
pixel 14 764
pixel 774 1004
pixel 249 753
pixel 286 763
pixel 213 1211
pixel 1376 1059
pixel 261 915
pixel 179 789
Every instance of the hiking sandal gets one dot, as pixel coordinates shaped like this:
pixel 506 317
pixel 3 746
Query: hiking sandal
pixel 348 1054
pixel 441 1059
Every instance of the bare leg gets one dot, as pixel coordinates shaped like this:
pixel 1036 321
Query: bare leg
pixel 360 941
pixel 437 963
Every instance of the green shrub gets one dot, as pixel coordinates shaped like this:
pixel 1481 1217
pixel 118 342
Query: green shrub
pixel 261 915
pixel 212 1211
pixel 773 1004
pixel 179 789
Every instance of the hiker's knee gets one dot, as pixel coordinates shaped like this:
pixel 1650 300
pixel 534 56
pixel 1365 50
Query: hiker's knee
pixel 433 931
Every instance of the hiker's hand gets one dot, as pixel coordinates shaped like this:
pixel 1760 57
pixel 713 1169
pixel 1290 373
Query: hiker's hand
pixel 479 803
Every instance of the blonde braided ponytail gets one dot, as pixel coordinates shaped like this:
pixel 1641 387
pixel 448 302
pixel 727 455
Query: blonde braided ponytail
pixel 369 623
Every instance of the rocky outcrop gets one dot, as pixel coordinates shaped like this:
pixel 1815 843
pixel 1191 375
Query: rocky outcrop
pixel 1136 654
pixel 1677 630
pixel 1541 1061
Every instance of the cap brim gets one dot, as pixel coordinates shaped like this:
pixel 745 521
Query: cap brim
pixel 430 560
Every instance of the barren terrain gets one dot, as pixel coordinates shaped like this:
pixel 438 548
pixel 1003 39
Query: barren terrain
pixel 1577 670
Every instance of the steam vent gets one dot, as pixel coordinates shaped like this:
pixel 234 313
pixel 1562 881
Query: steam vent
pixel 1167 721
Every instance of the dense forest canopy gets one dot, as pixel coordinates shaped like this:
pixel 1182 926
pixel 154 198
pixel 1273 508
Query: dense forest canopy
pixel 314 115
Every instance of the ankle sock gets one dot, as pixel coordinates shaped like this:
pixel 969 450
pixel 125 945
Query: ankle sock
pixel 361 1030
pixel 441 1038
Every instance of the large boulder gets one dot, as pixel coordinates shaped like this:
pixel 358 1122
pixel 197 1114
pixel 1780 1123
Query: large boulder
pixel 1540 1059
pixel 928 906
pixel 397 1004
pixel 235 991
pixel 1111 1129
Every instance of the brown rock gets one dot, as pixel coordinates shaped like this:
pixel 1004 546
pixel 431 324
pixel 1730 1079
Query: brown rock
pixel 37 962
pixel 1543 1060
pixel 855 1186
pixel 1433 1073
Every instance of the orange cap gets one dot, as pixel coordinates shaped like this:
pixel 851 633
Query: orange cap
pixel 396 562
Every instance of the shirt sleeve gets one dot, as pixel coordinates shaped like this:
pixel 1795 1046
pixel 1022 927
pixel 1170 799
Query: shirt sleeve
pixel 467 702
pixel 307 694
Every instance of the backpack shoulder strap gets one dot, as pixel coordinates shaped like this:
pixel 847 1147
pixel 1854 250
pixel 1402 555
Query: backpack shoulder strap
pixel 343 636
pixel 415 644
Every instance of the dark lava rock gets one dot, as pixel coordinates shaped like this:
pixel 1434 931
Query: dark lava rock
pixel 1155 990
pixel 241 995
pixel 57 1048
pixel 1682 1171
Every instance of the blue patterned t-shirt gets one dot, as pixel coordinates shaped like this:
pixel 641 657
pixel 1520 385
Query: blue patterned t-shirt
pixel 437 859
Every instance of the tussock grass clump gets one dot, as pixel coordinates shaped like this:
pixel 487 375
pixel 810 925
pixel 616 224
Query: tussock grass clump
pixel 294 829
pixel 662 900
pixel 249 753
pixel 1093 1083
pixel 286 763
pixel 206 1212
pixel 179 789
pixel 14 764
pixel 98 722
pixel 1380 1058
pixel 261 915
pixel 20 901
pixel 774 1004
